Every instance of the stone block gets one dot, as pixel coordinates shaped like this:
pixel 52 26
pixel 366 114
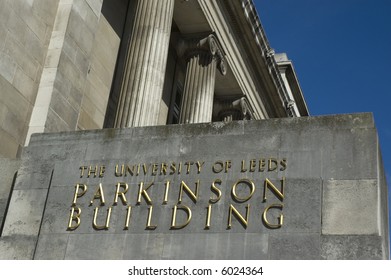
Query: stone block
pixel 17 247
pixel 46 10
pixel 25 212
pixel 95 247
pixel 7 67
pixel 23 58
pixel 352 247
pixel 212 246
pixel 9 147
pixel 25 85
pixel 51 247
pixel 63 109
pixel 79 31
pixel 350 207
pixel 297 246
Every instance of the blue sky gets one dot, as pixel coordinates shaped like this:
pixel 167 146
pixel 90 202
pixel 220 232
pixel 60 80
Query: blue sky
pixel 341 51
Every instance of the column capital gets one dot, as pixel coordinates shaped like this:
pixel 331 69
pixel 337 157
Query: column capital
pixel 208 45
pixel 235 109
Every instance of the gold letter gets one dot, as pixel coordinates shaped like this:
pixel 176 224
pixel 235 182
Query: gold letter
pixel 173 221
pixel 77 194
pixel 144 193
pixel 243 168
pixel 240 218
pixel 75 216
pixel 121 194
pixel 117 173
pixel 280 219
pixel 218 170
pixel 193 196
pixel 90 171
pixel 106 226
pixel 128 213
pixel 102 170
pixel 262 164
pixel 82 168
pixel 208 214
pixel 279 194
pixel 271 167
pixel 216 190
pixel 199 166
pixel 165 200
pixel 283 164
pixel 149 226
pixel 99 194
pixel 253 165
pixel 247 182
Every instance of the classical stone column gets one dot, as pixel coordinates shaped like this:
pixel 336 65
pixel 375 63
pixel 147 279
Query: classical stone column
pixel 143 80
pixel 203 57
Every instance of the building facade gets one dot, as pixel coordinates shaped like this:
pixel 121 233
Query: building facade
pixel 72 66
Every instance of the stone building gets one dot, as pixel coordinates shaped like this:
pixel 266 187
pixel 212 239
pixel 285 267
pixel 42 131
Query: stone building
pixel 89 72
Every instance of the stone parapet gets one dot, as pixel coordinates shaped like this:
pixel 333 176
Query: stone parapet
pixel 302 188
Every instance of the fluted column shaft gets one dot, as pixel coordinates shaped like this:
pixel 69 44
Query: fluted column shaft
pixel 197 98
pixel 142 85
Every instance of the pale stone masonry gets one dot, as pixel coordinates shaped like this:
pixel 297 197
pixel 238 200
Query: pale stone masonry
pixel 234 171
pixel 323 174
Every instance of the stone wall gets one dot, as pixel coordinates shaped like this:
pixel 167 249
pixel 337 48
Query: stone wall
pixel 25 30
pixel 79 69
pixel 299 188
pixel 57 60
pixel 8 169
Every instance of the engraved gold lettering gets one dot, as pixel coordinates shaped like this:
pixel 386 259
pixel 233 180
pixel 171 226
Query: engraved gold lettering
pixel 165 200
pixel 239 217
pixel 106 225
pixel 188 164
pixel 174 214
pixel 191 194
pixel 246 182
pixel 172 168
pixel 208 215
pixel 199 166
pixel 179 167
pixel 216 190
pixel 262 165
pixel 128 215
pixel 155 169
pixel 74 217
pixel 253 165
pixel 143 192
pixel 82 169
pixel 243 166
pixel 99 194
pixel 130 170
pixel 273 164
pixel 121 194
pixel 77 193
pixel 92 170
pixel 283 164
pixel 218 166
pixel 146 168
pixel 102 170
pixel 149 225
pixel 117 172
pixel 163 168
pixel 273 188
pixel 228 165
pixel 280 218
